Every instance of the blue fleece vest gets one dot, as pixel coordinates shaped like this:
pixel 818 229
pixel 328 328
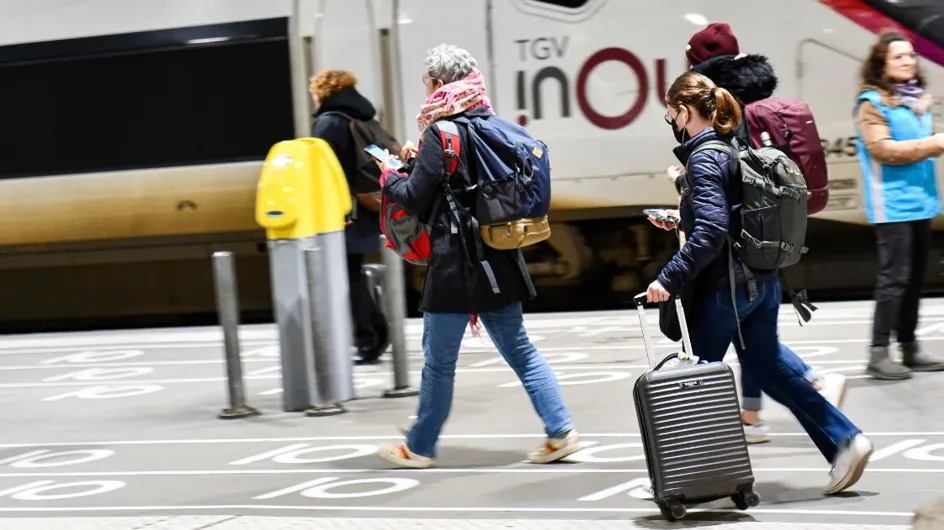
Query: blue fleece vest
pixel 898 193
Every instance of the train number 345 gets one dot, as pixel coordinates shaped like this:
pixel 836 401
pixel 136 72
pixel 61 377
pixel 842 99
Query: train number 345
pixel 840 146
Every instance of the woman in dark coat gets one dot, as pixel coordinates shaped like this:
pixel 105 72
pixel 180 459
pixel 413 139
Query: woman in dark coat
pixel 457 286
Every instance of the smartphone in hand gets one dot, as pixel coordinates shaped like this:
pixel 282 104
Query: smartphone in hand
pixel 377 152
pixel 661 214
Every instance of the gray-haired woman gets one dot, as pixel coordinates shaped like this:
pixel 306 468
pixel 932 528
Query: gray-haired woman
pixel 457 287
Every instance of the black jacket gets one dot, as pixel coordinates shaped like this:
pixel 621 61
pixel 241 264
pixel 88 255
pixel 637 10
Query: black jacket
pixel 707 219
pixel 363 235
pixel 455 281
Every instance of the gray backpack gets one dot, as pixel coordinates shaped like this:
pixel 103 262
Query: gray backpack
pixel 773 214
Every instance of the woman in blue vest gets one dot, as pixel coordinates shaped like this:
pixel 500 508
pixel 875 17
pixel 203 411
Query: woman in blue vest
pixel 897 147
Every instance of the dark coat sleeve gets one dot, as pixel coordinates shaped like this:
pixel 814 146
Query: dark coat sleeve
pixel 418 192
pixel 707 238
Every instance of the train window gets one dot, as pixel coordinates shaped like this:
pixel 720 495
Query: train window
pixel 570 4
pixel 137 101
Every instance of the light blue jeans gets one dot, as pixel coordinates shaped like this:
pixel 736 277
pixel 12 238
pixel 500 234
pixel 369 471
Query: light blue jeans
pixel 442 336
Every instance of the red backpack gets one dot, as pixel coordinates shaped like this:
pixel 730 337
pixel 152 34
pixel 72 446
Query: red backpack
pixel 791 126
pixel 406 233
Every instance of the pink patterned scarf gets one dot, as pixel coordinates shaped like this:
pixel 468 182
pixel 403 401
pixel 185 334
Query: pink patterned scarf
pixel 449 100
pixel 453 98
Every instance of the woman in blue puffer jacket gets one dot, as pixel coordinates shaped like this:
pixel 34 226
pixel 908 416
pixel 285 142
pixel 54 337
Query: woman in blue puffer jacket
pixel 699 112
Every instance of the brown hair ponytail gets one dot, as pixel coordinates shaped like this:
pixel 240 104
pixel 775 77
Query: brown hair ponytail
pixel 710 101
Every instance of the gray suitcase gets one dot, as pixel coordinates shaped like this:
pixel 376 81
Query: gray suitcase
pixel 690 423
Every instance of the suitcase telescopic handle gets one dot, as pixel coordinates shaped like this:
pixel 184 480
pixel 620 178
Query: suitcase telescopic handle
pixel 683 326
pixel 639 299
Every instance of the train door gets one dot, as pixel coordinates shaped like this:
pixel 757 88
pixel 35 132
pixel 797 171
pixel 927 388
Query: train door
pixel 832 104
pixel 424 24
pixel 353 35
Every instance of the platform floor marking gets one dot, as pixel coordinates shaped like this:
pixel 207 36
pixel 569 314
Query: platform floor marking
pixel 469 509
pixel 244 522
pixel 432 471
pixel 383 437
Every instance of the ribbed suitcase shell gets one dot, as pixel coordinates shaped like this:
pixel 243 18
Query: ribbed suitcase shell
pixel 690 422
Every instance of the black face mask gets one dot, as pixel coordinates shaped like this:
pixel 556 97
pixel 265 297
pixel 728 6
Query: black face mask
pixel 679 135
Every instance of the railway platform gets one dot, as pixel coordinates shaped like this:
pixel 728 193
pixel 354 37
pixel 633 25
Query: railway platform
pixel 119 430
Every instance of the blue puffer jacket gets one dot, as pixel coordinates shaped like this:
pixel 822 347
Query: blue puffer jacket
pixel 707 219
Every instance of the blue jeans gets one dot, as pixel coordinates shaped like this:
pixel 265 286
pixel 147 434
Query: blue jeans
pixel 764 359
pixel 750 389
pixel 442 336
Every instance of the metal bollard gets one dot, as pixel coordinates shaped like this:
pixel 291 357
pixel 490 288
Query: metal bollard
pixel 332 329
pixel 227 303
pixel 292 317
pixel 396 313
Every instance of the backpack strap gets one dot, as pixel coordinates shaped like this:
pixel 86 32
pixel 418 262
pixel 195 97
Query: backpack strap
pixel 718 145
pixel 452 148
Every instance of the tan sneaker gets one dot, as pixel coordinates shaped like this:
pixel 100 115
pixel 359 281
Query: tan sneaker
pixel 555 449
pixel 402 456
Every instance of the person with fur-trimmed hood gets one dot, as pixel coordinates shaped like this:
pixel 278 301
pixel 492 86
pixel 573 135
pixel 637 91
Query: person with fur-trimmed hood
pixel 714 52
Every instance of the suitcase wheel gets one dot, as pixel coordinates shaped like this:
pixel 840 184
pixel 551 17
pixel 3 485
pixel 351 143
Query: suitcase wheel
pixel 672 511
pixel 745 499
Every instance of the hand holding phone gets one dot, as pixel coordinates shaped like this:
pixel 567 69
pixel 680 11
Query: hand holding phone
pixel 662 214
pixel 378 153
pixel 663 218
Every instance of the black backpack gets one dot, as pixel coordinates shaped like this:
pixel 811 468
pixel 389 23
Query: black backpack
pixel 365 183
pixel 773 215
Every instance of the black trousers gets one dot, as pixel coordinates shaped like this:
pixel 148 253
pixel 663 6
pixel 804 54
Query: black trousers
pixel 903 250
pixel 364 312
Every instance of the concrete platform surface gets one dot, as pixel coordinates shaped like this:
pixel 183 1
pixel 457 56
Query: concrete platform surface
pixel 307 523
pixel 118 430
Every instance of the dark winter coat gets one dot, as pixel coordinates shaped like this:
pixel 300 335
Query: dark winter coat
pixel 455 281
pixel 363 235
pixel 707 220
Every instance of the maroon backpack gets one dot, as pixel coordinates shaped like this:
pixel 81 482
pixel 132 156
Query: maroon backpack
pixel 791 127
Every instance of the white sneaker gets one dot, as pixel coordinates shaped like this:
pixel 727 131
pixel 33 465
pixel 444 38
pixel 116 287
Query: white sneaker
pixel 834 389
pixel 849 464
pixel 757 433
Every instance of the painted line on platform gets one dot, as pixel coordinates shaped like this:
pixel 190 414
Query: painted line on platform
pixel 404 471
pixel 470 509
pixel 383 437
pixel 132 364
pixel 471 346
pixel 202 337
pixel 132 346
pixel 730 358
pixel 276 375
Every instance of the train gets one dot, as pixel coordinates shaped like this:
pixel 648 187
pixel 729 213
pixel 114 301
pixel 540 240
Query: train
pixel 134 133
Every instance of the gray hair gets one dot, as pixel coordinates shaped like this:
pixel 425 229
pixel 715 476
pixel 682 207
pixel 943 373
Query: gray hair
pixel 448 63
